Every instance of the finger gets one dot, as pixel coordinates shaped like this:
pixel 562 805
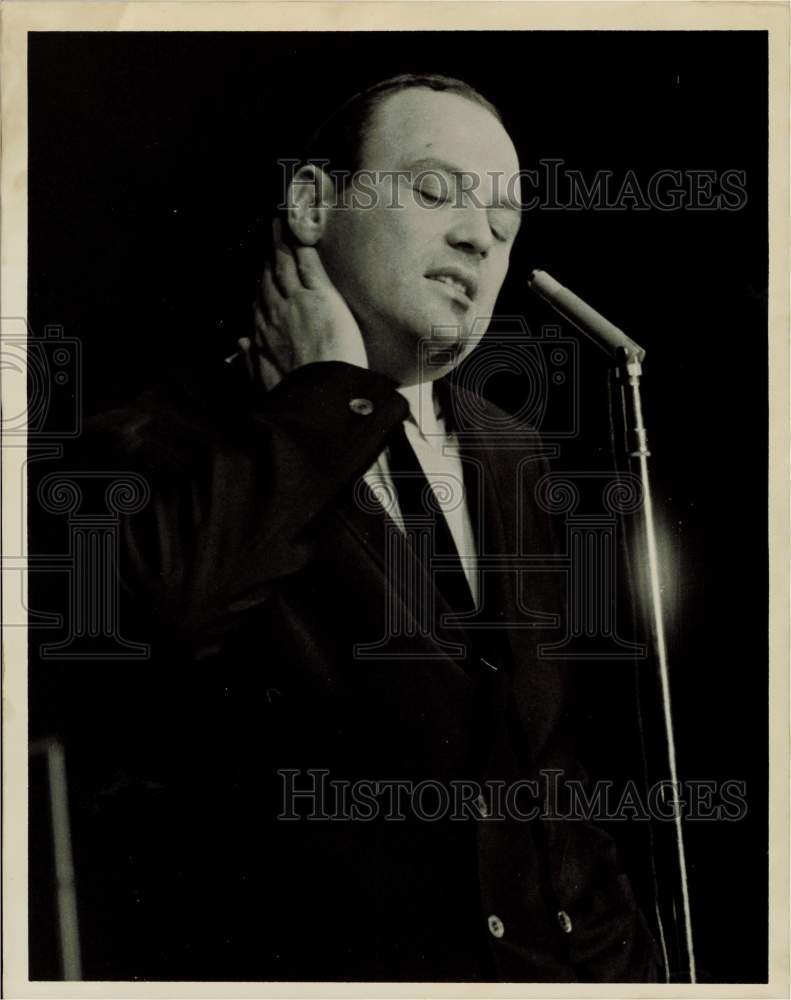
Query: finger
pixel 245 345
pixel 260 370
pixel 268 373
pixel 272 302
pixel 263 315
pixel 259 323
pixel 311 269
pixel 266 337
pixel 285 271
pixel 266 340
pixel 260 300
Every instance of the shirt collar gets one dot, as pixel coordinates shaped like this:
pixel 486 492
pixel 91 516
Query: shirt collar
pixel 425 409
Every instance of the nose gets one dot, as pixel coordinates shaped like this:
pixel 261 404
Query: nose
pixel 470 231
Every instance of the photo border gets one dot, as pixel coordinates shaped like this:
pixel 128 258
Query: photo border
pixel 20 18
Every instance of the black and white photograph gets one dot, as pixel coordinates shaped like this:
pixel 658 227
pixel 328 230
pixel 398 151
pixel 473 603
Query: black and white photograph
pixel 395 478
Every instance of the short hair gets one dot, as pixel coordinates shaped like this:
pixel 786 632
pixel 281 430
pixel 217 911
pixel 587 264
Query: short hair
pixel 338 142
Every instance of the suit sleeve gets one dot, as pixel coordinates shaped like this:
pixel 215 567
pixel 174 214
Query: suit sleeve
pixel 229 515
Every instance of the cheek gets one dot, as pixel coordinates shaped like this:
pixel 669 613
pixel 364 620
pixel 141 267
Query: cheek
pixel 361 257
pixel 405 232
pixel 378 244
pixel 340 250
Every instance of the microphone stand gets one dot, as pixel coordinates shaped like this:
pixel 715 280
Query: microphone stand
pixel 627 357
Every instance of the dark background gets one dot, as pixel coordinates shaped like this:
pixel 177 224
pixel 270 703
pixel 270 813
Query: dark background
pixel 151 182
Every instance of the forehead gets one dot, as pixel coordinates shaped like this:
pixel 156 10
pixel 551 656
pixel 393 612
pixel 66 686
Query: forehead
pixel 419 124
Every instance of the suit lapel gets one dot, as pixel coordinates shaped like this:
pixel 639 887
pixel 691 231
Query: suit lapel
pixel 504 530
pixel 495 590
pixel 404 578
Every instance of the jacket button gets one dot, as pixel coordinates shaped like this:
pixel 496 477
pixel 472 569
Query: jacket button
pixel 362 407
pixel 496 926
pixel 565 922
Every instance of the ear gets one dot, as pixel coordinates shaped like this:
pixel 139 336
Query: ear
pixel 309 198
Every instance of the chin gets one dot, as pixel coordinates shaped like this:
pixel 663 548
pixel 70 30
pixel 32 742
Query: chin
pixel 438 358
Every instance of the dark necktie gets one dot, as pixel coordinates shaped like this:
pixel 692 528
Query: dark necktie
pixel 421 511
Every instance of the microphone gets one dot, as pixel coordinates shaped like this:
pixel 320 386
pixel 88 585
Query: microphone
pixel 608 336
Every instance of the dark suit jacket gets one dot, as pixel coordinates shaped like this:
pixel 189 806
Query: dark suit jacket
pixel 258 573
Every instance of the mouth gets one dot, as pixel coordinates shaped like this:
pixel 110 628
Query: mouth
pixel 457 281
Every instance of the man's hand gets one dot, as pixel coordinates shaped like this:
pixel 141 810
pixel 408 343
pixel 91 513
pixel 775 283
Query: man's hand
pixel 300 317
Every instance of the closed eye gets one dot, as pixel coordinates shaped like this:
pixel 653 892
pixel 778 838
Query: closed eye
pixel 429 197
pixel 504 224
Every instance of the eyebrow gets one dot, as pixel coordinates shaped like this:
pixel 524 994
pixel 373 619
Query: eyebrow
pixel 432 163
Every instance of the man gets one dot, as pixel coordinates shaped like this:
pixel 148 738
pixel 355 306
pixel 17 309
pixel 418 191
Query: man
pixel 326 639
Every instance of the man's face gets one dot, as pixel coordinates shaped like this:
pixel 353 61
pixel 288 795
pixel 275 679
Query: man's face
pixel 425 250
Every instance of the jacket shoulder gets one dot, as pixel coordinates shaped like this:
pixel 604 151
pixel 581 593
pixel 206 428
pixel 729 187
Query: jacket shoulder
pixel 169 427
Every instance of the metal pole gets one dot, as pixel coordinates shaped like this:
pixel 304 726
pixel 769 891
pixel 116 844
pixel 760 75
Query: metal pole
pixel 65 888
pixel 628 355
pixel 640 454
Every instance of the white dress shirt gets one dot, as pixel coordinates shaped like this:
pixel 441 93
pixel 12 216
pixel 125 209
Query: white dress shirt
pixel 438 454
